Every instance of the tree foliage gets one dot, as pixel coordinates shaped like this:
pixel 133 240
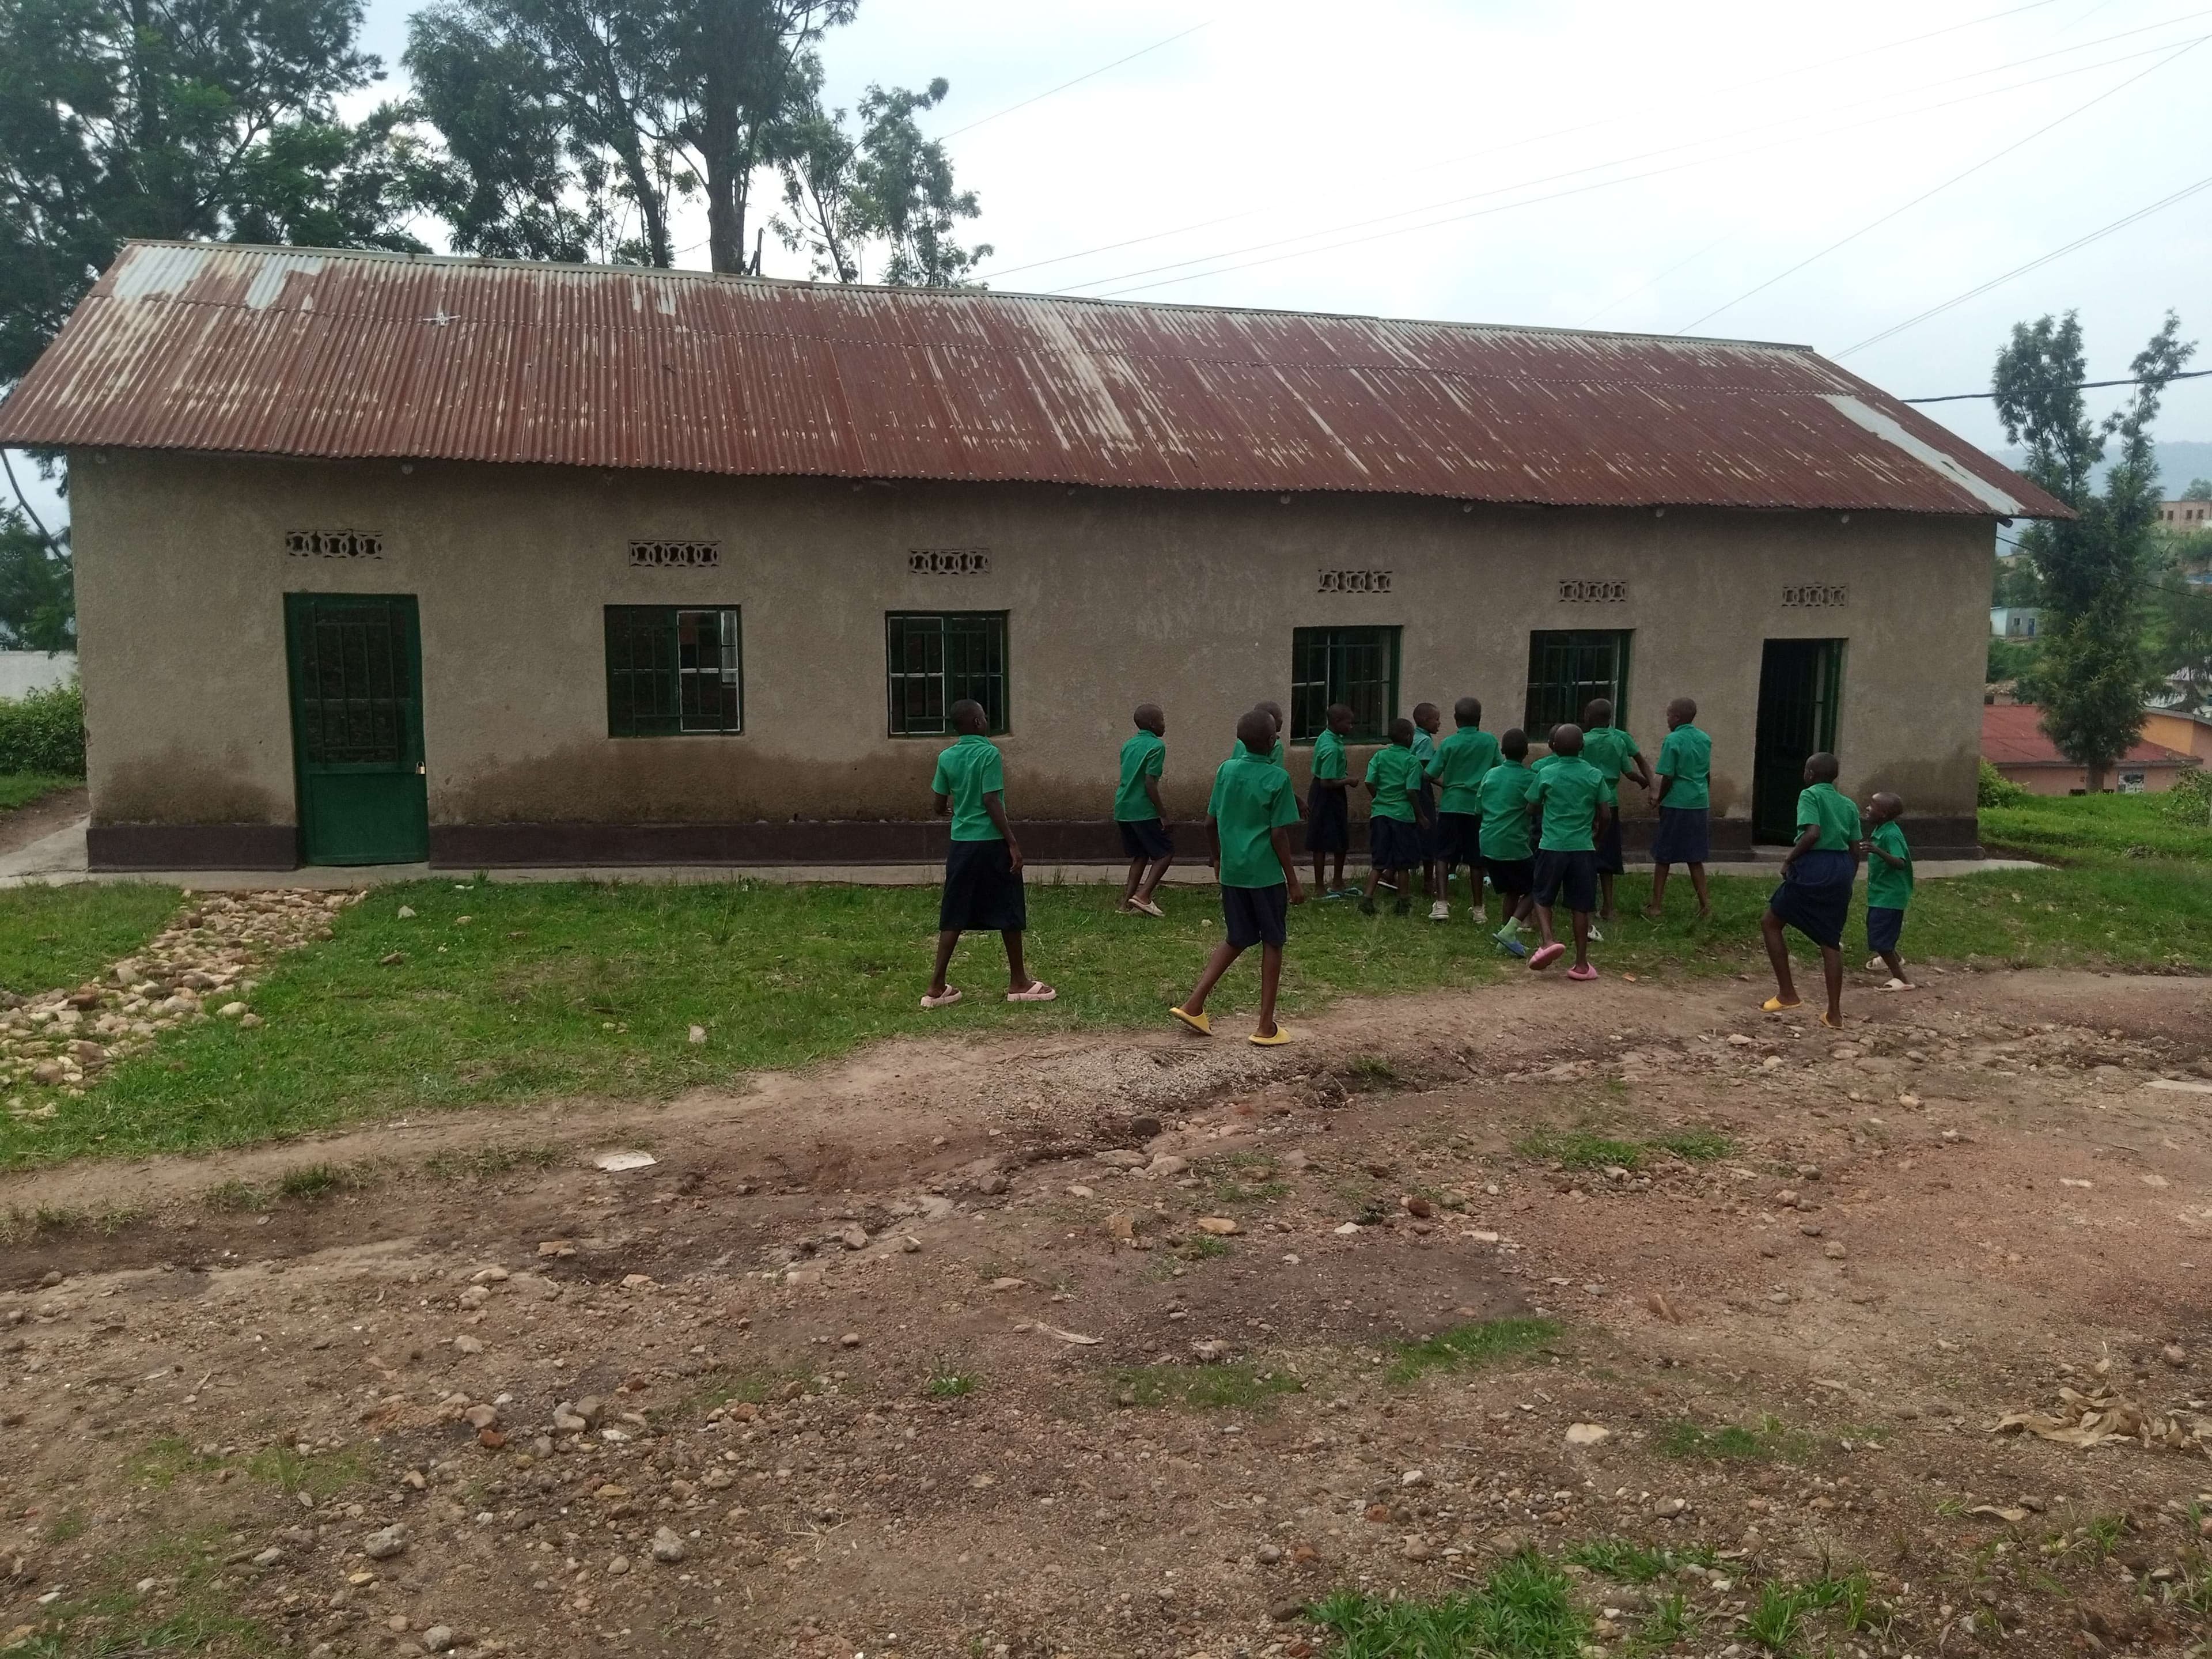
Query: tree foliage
pixel 2093 672
pixel 888 187
pixel 2200 489
pixel 38 589
pixel 177 119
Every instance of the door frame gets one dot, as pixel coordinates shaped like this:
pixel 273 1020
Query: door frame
pixel 298 612
pixel 1827 708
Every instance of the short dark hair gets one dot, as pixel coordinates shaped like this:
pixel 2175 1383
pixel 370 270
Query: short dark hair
pixel 1401 730
pixel 1256 730
pixel 1823 765
pixel 1567 738
pixel 1598 711
pixel 968 716
pixel 1687 706
pixel 1514 742
pixel 1344 708
pixel 1467 711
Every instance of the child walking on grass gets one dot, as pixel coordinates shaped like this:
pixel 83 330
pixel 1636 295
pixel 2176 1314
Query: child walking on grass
pixel 1137 812
pixel 1569 794
pixel 983 869
pixel 1248 821
pixel 1815 894
pixel 1684 797
pixel 1328 806
pixel 1614 754
pixel 1508 851
pixel 1394 825
pixel 1889 887
pixel 1457 769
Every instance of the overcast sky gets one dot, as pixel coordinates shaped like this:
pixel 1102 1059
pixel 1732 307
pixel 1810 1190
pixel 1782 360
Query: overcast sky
pixel 1667 168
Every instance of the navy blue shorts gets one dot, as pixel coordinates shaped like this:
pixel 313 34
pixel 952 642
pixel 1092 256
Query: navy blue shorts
pixel 1571 877
pixel 1145 838
pixel 983 892
pixel 1815 896
pixel 1684 835
pixel 1329 821
pixel 1511 877
pixel 1394 844
pixel 1459 838
pixel 1257 915
pixel 1608 845
pixel 1885 927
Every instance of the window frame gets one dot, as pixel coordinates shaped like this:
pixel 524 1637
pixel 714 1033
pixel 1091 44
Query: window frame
pixel 1311 698
pixel 993 626
pixel 1579 690
pixel 662 625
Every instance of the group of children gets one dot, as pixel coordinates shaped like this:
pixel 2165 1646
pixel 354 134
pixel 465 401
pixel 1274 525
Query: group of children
pixel 1541 834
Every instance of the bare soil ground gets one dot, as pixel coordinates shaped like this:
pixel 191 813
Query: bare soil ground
pixel 26 825
pixel 928 1352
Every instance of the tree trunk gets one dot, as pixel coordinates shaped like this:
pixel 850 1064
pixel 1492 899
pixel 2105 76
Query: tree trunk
pixel 722 139
pixel 2096 771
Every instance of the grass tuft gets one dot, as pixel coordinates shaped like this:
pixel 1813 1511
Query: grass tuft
pixel 1632 1563
pixel 1732 1442
pixel 1485 1342
pixel 313 1180
pixel 1202 1387
pixel 1777 1619
pixel 235 1197
pixel 1579 1148
pixel 1524 1610
pixel 950 1385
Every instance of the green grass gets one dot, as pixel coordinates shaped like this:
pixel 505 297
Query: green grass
pixel 53 937
pixel 2077 828
pixel 21 789
pixel 198 1614
pixel 320 1474
pixel 950 1385
pixel 1584 1149
pixel 1776 1619
pixel 1202 1387
pixel 1483 1343
pixel 1632 1563
pixel 558 990
pixel 313 1180
pixel 1732 1442
pixel 1524 1610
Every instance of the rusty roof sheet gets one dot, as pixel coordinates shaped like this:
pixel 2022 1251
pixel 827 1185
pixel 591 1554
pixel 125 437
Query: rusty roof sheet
pixel 296 351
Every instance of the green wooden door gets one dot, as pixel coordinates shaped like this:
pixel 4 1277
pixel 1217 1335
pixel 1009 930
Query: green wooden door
pixel 1800 683
pixel 356 669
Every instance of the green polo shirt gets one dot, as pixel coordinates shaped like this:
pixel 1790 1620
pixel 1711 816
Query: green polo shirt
pixel 1836 813
pixel 1458 768
pixel 967 772
pixel 1145 756
pixel 1252 798
pixel 1609 749
pixel 1425 746
pixel 1568 792
pixel 1237 752
pixel 1687 756
pixel 1396 776
pixel 1888 889
pixel 1503 792
pixel 1328 755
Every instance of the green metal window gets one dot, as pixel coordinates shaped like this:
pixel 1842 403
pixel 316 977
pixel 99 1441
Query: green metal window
pixel 354 677
pixel 671 671
pixel 936 658
pixel 1355 666
pixel 1566 669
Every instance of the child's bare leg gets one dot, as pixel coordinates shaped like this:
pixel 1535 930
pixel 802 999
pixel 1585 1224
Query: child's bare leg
pixel 1319 859
pixel 1704 898
pixel 1129 886
pixel 1339 885
pixel 1831 969
pixel 1543 923
pixel 1891 960
pixel 1658 904
pixel 1525 909
pixel 1018 973
pixel 1271 976
pixel 1216 965
pixel 1605 898
pixel 1582 920
pixel 1778 953
pixel 1154 874
pixel 946 942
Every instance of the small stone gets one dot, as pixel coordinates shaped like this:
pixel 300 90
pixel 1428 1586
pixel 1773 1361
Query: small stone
pixel 1417 1549
pixel 1414 1205
pixel 1001 1286
pixel 1166 1164
pixel 269 1558
pixel 383 1545
pixel 850 1339
pixel 1143 1127
pixel 1220 1226
pixel 1586 1434
pixel 391 959
pixel 1413 1478
pixel 467 1345
pixel 697 1037
pixel 1268 1555
pixel 1833 1250
pixel 1211 1352
pixel 909 1244
pixel 439 1638
pixel 2175 1354
pixel 556 1247
pixel 1810 1229
pixel 482 1417
pixel 618 1567
pixel 406 913
pixel 668 1547
pixel 991 1184
pixel 854 1238
pixel 230 1010
pixel 247 1022
pixel 1667 1508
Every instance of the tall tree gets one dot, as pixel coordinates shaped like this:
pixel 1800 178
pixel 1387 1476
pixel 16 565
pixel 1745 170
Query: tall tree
pixel 888 187
pixel 182 119
pixel 2093 672
pixel 37 591
pixel 2200 489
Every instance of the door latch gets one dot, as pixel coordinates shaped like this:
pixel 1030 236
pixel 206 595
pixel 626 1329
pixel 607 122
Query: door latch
pixel 420 771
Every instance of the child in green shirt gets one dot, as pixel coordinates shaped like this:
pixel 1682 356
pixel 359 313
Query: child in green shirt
pixel 1328 806
pixel 1139 814
pixel 1457 769
pixel 1889 886
pixel 1273 711
pixel 1569 794
pixel 1818 873
pixel 983 869
pixel 1509 854
pixel 1248 821
pixel 1684 797
pixel 1427 719
pixel 1394 821
pixel 1613 753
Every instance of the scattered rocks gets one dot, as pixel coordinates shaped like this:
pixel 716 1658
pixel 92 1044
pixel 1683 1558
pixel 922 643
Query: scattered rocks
pixel 1220 1226
pixel 1586 1434
pixel 668 1546
pixel 385 1545
pixel 439 1638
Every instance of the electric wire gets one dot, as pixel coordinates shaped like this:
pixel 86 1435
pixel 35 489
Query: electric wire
pixel 2078 386
pixel 1091 75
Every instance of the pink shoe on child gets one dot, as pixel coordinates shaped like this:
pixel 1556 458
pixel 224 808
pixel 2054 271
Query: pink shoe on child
pixel 1546 955
pixel 1585 973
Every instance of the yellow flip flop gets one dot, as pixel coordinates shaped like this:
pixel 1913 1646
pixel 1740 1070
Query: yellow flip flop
pixel 1777 1005
pixel 1198 1023
pixel 1282 1035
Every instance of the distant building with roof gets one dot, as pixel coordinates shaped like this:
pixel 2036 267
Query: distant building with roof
pixel 383 556
pixel 2013 741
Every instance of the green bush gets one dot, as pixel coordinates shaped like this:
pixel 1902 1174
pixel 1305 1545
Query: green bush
pixel 44 732
pixel 2189 800
pixel 1996 789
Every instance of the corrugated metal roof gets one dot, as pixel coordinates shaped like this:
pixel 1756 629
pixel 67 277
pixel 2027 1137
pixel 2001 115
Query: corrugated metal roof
pixel 291 351
pixel 2011 735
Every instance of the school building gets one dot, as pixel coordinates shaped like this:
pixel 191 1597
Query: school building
pixel 382 557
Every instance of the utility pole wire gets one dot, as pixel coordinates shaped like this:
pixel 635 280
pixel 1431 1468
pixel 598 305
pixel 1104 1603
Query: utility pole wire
pixel 39 524
pixel 1078 79
pixel 2079 386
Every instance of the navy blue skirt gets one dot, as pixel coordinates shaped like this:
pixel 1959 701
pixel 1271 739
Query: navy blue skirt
pixel 1684 835
pixel 1815 896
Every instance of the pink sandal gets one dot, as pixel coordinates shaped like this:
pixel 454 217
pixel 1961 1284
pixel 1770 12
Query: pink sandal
pixel 1585 974
pixel 952 995
pixel 1546 955
pixel 1037 991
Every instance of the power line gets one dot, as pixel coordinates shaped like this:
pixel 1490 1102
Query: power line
pixel 2121 223
pixel 1089 75
pixel 1572 173
pixel 2078 386
pixel 1956 177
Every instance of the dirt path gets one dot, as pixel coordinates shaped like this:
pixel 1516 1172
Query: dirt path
pixel 26 825
pixel 929 1352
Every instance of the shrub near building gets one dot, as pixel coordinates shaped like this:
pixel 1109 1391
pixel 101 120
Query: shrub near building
pixel 42 732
